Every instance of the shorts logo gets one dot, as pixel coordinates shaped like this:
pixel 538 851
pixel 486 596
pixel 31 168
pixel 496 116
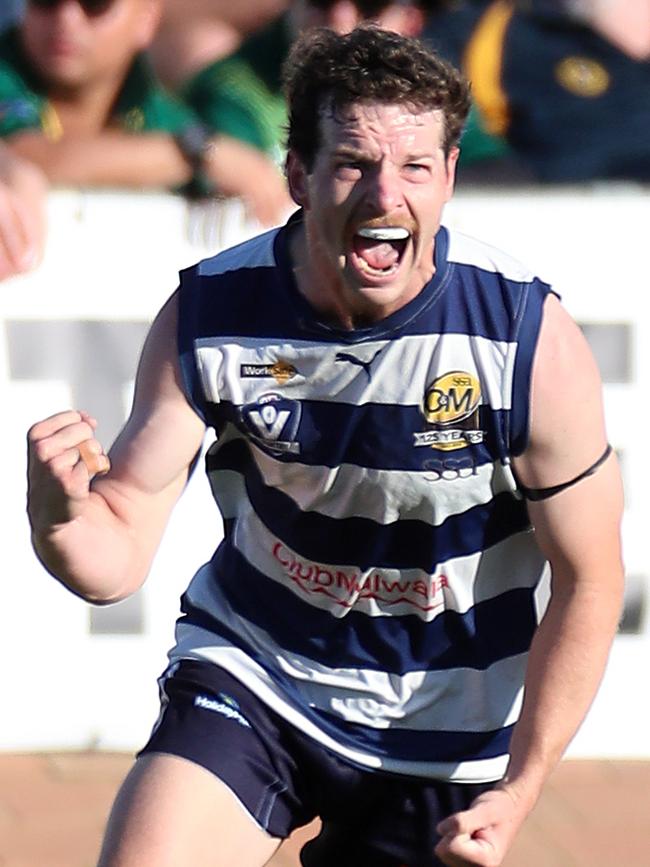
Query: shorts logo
pixel 228 709
pixel 450 408
pixel 273 421
pixel 281 371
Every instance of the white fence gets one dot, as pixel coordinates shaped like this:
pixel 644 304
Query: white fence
pixel 70 335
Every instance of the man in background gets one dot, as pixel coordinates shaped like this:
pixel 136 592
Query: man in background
pixel 564 82
pixel 79 100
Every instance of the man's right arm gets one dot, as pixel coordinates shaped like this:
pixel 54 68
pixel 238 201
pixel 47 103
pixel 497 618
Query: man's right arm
pixel 153 160
pixel 112 158
pixel 98 536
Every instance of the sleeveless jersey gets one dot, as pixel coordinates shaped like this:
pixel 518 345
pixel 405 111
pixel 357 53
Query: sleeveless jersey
pixel 376 584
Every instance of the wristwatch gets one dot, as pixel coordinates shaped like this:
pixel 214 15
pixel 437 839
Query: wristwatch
pixel 194 142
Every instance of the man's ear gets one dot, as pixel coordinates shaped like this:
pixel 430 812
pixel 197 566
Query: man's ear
pixel 451 161
pixel 297 179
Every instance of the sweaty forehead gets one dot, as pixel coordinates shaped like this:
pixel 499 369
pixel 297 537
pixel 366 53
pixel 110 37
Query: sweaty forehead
pixel 376 123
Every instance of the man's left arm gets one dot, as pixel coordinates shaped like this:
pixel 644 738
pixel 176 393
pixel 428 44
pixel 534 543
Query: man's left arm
pixel 578 529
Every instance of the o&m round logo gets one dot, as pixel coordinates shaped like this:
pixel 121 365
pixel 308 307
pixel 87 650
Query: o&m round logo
pixel 451 398
pixel 450 408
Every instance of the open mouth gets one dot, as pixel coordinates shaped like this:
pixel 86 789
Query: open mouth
pixel 378 250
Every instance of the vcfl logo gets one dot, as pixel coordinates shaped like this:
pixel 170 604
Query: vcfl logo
pixel 269 421
pixel 273 420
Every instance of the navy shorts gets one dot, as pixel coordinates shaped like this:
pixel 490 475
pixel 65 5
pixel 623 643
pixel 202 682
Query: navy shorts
pixel 285 779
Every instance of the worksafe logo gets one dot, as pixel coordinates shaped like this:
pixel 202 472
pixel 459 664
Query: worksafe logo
pixel 450 408
pixel 281 371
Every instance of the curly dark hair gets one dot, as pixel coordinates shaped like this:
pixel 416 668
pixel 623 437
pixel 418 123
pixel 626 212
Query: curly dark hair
pixel 326 70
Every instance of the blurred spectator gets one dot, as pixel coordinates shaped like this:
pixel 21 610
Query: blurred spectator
pixel 193 33
pixel 566 82
pixel 241 95
pixel 79 100
pixel 23 192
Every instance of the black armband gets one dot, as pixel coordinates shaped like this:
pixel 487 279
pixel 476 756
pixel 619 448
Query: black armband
pixel 535 494
pixel 194 142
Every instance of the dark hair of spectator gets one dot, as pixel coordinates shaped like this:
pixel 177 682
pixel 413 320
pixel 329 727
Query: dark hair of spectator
pixel 328 71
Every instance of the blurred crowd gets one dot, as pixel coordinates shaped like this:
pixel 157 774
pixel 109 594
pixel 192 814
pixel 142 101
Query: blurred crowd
pixel 186 95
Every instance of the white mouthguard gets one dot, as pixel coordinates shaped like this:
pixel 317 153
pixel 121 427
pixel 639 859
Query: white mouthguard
pixel 384 233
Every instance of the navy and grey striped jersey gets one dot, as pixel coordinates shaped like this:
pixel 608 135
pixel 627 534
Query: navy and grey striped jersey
pixel 376 581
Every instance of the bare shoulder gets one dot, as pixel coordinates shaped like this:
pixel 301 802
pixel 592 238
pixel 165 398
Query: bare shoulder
pixel 562 346
pixel 159 367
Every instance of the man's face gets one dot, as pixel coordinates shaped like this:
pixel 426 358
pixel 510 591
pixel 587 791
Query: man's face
pixel 72 47
pixel 373 204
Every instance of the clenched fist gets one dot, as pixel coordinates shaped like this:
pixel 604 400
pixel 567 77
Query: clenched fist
pixel 63 456
pixel 481 835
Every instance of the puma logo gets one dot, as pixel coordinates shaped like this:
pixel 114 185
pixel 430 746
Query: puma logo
pixel 366 365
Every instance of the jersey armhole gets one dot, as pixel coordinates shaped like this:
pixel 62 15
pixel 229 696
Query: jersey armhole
pixel 527 336
pixel 189 295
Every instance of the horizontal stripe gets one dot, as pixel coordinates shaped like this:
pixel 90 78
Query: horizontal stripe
pixel 488 632
pixel 482 304
pixel 258 680
pixel 430 745
pixel 382 496
pixel 377 436
pixel 256 275
pixel 456 586
pixel 372 372
pixel 462 700
pixel 407 544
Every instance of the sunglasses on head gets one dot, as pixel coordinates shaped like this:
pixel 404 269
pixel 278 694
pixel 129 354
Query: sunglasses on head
pixel 91 8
